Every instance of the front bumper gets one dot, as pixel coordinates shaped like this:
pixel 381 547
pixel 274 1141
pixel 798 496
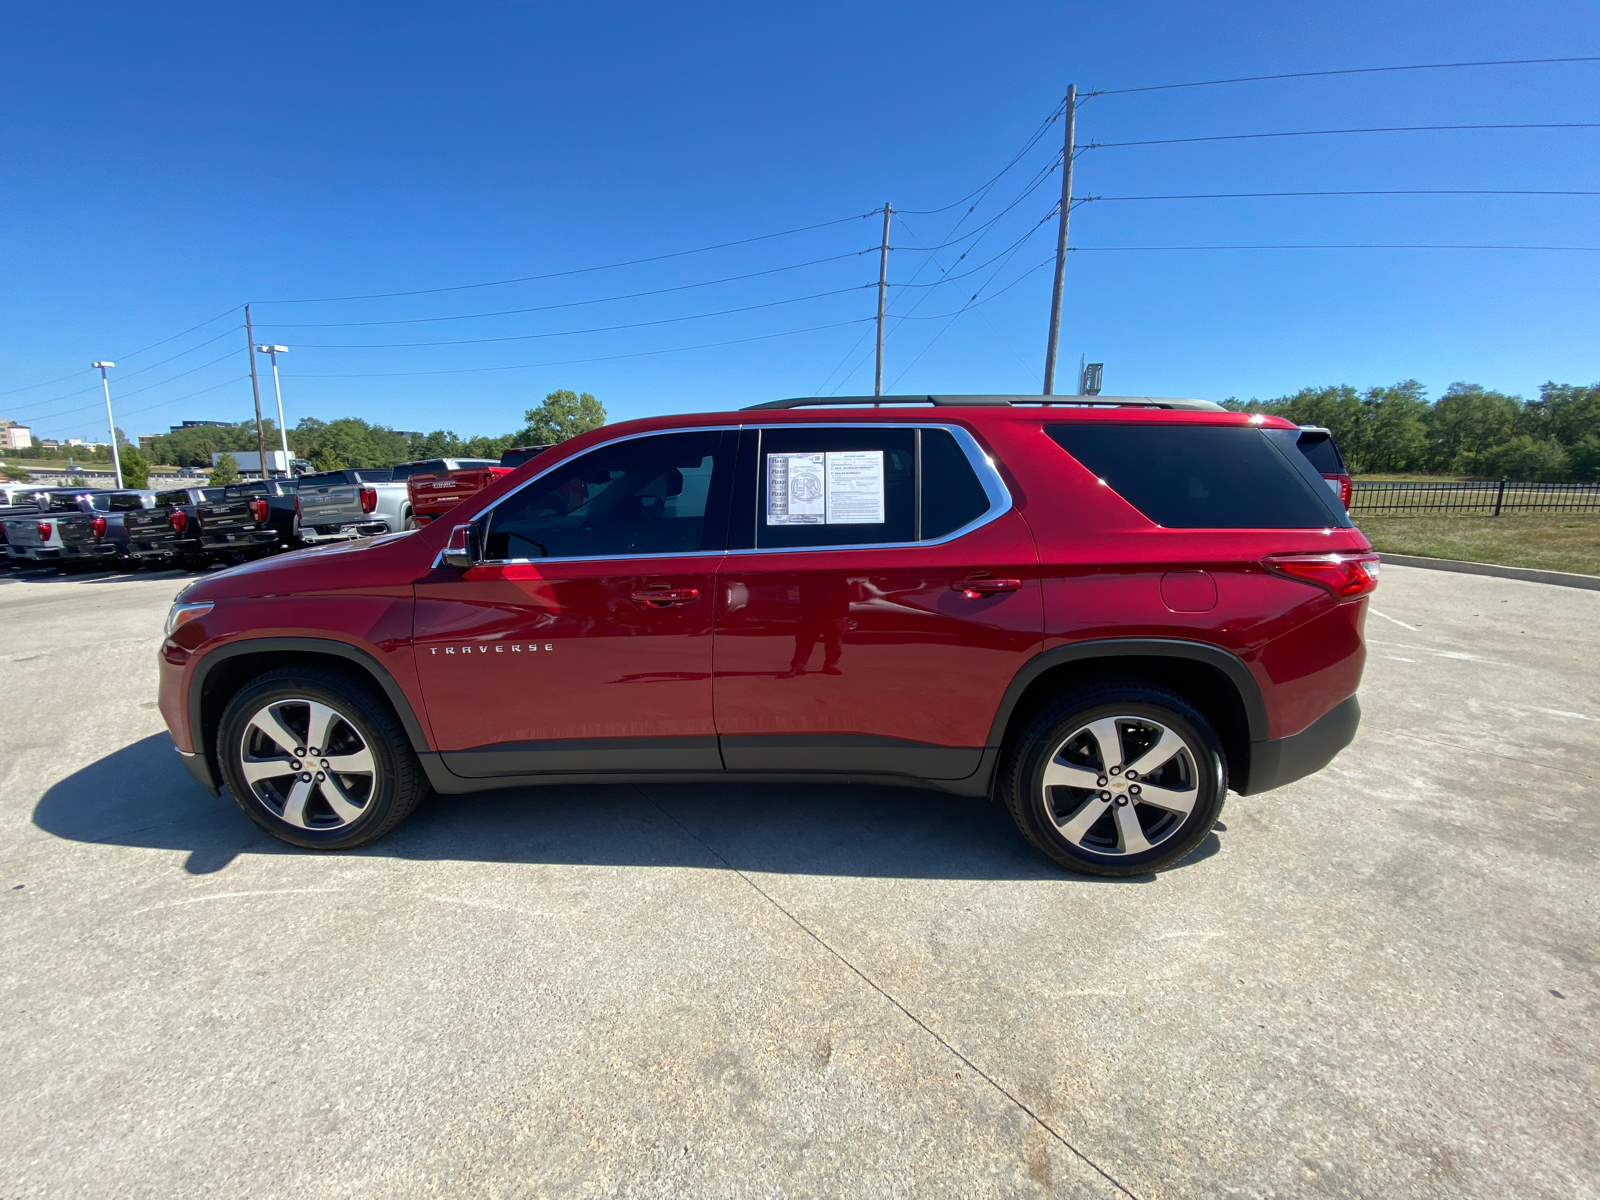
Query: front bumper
pixel 1278 761
pixel 195 763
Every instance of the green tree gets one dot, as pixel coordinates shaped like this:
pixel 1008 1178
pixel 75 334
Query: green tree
pixel 1584 456
pixel 1394 432
pixel 226 470
pixel 1466 423
pixel 17 475
pixel 327 459
pixel 1525 458
pixel 563 415
pixel 135 470
pixel 354 442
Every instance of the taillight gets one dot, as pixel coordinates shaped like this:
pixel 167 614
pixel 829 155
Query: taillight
pixel 297 508
pixel 180 520
pixel 44 529
pixel 97 526
pixel 369 499
pixel 258 510
pixel 1345 488
pixel 1345 575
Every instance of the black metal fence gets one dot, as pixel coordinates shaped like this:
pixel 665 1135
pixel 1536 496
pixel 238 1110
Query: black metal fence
pixel 1480 499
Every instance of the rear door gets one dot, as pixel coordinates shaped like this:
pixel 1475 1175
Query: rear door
pixel 879 596
pixel 582 643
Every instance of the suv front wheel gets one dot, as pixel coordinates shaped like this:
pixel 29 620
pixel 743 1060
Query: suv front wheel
pixel 1116 779
pixel 318 760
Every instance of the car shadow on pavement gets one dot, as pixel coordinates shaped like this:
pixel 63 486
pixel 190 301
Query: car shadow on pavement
pixel 141 796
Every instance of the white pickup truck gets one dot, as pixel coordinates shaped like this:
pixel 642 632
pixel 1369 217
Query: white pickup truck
pixel 332 506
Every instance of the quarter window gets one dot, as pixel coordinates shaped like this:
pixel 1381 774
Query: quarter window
pixel 649 495
pixel 836 486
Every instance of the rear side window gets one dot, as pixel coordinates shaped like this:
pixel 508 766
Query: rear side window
pixel 1320 452
pixel 836 486
pixel 1200 476
pixel 951 494
pixel 175 498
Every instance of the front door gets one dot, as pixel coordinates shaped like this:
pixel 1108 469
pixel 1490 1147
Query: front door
pixel 882 597
pixel 582 642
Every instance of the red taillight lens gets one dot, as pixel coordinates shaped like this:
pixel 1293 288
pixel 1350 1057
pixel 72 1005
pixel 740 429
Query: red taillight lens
pixel 369 499
pixel 1345 575
pixel 1345 488
pixel 258 510
pixel 297 508
pixel 180 521
pixel 44 529
pixel 97 526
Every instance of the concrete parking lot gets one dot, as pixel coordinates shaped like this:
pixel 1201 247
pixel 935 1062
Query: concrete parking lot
pixel 1379 982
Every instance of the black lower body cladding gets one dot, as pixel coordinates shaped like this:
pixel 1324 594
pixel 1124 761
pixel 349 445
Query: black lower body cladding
pixel 1283 760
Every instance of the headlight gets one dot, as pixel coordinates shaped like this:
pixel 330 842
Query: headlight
pixel 182 614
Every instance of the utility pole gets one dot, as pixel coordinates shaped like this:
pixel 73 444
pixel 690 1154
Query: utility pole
pixel 255 388
pixel 1061 244
pixel 116 457
pixel 883 291
pixel 277 388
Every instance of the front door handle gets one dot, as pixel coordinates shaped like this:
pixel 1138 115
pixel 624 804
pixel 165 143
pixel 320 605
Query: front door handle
pixel 973 588
pixel 666 597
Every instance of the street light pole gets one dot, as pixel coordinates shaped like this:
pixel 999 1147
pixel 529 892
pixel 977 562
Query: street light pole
pixel 116 458
pixel 283 430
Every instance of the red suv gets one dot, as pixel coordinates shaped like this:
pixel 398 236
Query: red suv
pixel 1102 612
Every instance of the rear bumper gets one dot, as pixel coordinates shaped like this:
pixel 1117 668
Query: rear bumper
pixel 1279 761
pixel 313 536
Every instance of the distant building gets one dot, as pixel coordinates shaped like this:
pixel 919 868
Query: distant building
pixel 199 425
pixel 14 436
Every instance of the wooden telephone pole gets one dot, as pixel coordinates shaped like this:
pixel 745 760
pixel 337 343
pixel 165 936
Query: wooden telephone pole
pixel 1061 244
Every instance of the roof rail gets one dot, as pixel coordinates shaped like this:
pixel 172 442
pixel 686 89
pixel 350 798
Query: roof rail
pixel 991 402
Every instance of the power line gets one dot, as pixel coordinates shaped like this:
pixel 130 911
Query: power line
pixel 981 266
pixel 176 336
pixel 600 358
pixel 523 337
pixel 1038 133
pixel 1374 192
pixel 1234 137
pixel 67 412
pixel 514 312
pixel 1346 246
pixel 189 396
pixel 633 262
pixel 1500 62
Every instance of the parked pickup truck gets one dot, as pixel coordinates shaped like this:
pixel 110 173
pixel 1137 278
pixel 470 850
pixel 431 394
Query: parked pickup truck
pixel 435 493
pixel 36 536
pixel 272 503
pixel 211 525
pixel 16 500
pixel 354 502
pixel 98 531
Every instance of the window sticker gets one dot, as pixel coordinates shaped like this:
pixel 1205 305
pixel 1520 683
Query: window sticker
pixel 840 487
pixel 855 487
pixel 796 489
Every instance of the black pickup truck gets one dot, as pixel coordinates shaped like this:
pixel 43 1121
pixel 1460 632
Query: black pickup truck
pixel 98 531
pixel 16 500
pixel 272 503
pixel 36 536
pixel 212 526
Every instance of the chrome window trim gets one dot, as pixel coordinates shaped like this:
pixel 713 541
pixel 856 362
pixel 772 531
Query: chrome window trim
pixel 994 487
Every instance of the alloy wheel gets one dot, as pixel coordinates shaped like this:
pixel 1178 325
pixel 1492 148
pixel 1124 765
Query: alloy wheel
pixel 1120 785
pixel 308 763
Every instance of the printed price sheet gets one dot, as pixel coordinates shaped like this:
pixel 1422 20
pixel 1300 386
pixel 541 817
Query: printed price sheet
pixel 839 487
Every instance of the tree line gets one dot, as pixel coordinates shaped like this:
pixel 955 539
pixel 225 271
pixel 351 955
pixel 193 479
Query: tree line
pixel 352 442
pixel 1469 430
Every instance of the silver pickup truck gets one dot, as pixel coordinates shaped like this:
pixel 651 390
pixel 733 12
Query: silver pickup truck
pixel 354 502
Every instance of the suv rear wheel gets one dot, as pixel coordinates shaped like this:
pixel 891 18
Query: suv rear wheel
pixel 318 760
pixel 1116 779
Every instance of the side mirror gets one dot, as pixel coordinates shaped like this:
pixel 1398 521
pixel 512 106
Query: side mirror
pixel 461 551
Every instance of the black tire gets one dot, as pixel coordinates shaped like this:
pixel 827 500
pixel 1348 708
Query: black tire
pixel 1141 714
pixel 365 725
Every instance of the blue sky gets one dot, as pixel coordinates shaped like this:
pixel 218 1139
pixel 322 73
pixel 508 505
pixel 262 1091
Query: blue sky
pixel 159 168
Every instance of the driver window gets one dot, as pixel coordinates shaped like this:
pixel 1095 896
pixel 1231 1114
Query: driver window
pixel 652 495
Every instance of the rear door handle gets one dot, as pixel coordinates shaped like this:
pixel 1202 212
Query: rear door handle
pixel 973 588
pixel 666 597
